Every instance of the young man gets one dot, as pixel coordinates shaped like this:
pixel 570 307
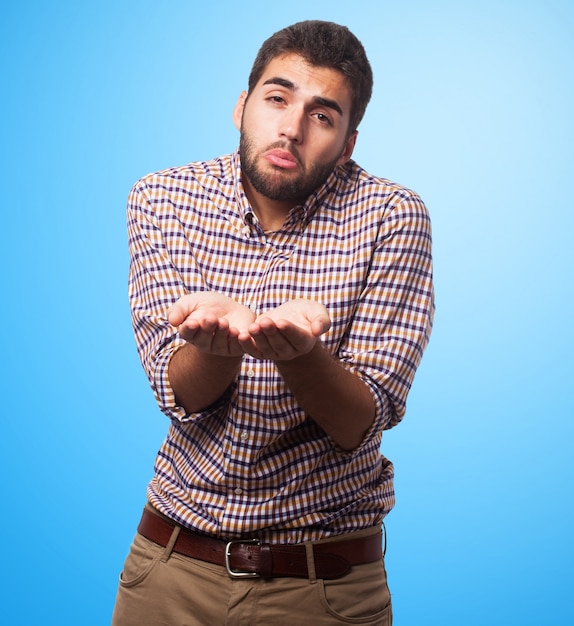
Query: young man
pixel 281 299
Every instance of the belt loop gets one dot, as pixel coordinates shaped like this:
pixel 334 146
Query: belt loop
pixel 310 562
pixel 384 532
pixel 170 543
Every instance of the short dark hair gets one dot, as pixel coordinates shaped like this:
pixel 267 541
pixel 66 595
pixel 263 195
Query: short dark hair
pixel 322 44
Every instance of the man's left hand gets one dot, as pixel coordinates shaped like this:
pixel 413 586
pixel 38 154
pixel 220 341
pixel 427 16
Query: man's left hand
pixel 289 331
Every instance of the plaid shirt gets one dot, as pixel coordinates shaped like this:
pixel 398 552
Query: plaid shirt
pixel 253 464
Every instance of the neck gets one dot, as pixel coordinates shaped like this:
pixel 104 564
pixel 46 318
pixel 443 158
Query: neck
pixel 270 213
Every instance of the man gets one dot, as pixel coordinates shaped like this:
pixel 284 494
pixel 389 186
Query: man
pixel 281 299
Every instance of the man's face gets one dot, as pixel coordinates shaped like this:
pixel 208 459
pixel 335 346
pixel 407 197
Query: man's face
pixel 294 128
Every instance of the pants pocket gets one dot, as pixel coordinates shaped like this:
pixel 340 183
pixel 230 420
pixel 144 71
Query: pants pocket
pixel 361 597
pixel 141 560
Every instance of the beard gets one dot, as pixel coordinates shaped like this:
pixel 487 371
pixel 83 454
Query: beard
pixel 279 184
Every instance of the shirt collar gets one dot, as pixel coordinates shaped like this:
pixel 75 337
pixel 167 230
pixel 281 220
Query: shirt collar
pixel 306 210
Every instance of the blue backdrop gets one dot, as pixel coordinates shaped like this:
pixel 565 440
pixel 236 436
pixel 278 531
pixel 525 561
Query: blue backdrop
pixel 473 108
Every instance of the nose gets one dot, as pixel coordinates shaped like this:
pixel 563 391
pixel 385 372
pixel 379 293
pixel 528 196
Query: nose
pixel 292 125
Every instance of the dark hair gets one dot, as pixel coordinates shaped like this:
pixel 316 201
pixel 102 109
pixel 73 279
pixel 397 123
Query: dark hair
pixel 322 44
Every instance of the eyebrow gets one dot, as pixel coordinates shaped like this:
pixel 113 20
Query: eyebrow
pixel 326 102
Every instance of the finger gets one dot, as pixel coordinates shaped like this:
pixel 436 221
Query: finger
pixel 261 324
pixel 234 348
pixel 264 345
pixel 280 344
pixel 214 334
pixel 263 332
pixel 201 340
pixel 176 315
pixel 320 324
pixel 223 342
pixel 189 334
pixel 199 332
pixel 181 309
pixel 248 345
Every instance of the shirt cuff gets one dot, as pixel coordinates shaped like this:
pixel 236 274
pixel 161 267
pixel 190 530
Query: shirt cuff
pixel 165 395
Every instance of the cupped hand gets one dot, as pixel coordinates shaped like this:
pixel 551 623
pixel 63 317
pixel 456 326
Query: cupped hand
pixel 284 333
pixel 211 322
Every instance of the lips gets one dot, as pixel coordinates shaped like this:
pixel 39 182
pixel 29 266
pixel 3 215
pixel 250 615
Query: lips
pixel 281 158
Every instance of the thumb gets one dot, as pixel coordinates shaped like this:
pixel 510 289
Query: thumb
pixel 177 312
pixel 320 324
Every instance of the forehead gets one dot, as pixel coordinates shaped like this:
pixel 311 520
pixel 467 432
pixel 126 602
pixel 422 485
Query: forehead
pixel 309 79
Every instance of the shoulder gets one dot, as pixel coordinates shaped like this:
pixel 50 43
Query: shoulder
pixel 365 183
pixel 197 173
pixel 375 193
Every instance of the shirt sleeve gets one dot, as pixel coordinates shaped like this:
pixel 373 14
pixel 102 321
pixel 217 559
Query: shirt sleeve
pixel 393 319
pixel 154 284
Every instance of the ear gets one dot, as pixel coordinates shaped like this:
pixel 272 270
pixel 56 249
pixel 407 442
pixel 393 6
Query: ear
pixel 349 147
pixel 238 110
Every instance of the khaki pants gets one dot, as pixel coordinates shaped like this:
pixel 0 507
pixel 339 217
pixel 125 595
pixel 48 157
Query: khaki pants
pixel 159 588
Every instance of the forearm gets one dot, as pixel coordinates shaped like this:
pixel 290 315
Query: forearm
pixel 338 400
pixel 199 379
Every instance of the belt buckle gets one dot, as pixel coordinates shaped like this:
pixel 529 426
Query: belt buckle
pixel 238 573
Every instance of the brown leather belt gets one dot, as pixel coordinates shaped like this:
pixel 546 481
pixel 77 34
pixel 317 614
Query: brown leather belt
pixel 251 558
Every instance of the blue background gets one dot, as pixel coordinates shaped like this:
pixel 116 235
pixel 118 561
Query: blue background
pixel 473 108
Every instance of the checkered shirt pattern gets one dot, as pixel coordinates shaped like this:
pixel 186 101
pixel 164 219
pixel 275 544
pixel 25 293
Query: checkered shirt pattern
pixel 253 464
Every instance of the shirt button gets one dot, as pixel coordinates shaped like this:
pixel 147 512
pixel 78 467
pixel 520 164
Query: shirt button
pixel 238 491
pixel 244 435
pixel 250 373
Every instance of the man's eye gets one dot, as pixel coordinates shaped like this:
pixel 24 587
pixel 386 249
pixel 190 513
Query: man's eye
pixel 323 118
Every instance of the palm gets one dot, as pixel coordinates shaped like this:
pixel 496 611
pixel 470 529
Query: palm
pixel 300 313
pixel 211 322
pixel 286 332
pixel 222 307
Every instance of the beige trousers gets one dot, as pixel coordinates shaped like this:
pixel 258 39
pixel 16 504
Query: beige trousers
pixel 162 588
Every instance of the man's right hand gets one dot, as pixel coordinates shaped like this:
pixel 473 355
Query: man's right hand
pixel 211 322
